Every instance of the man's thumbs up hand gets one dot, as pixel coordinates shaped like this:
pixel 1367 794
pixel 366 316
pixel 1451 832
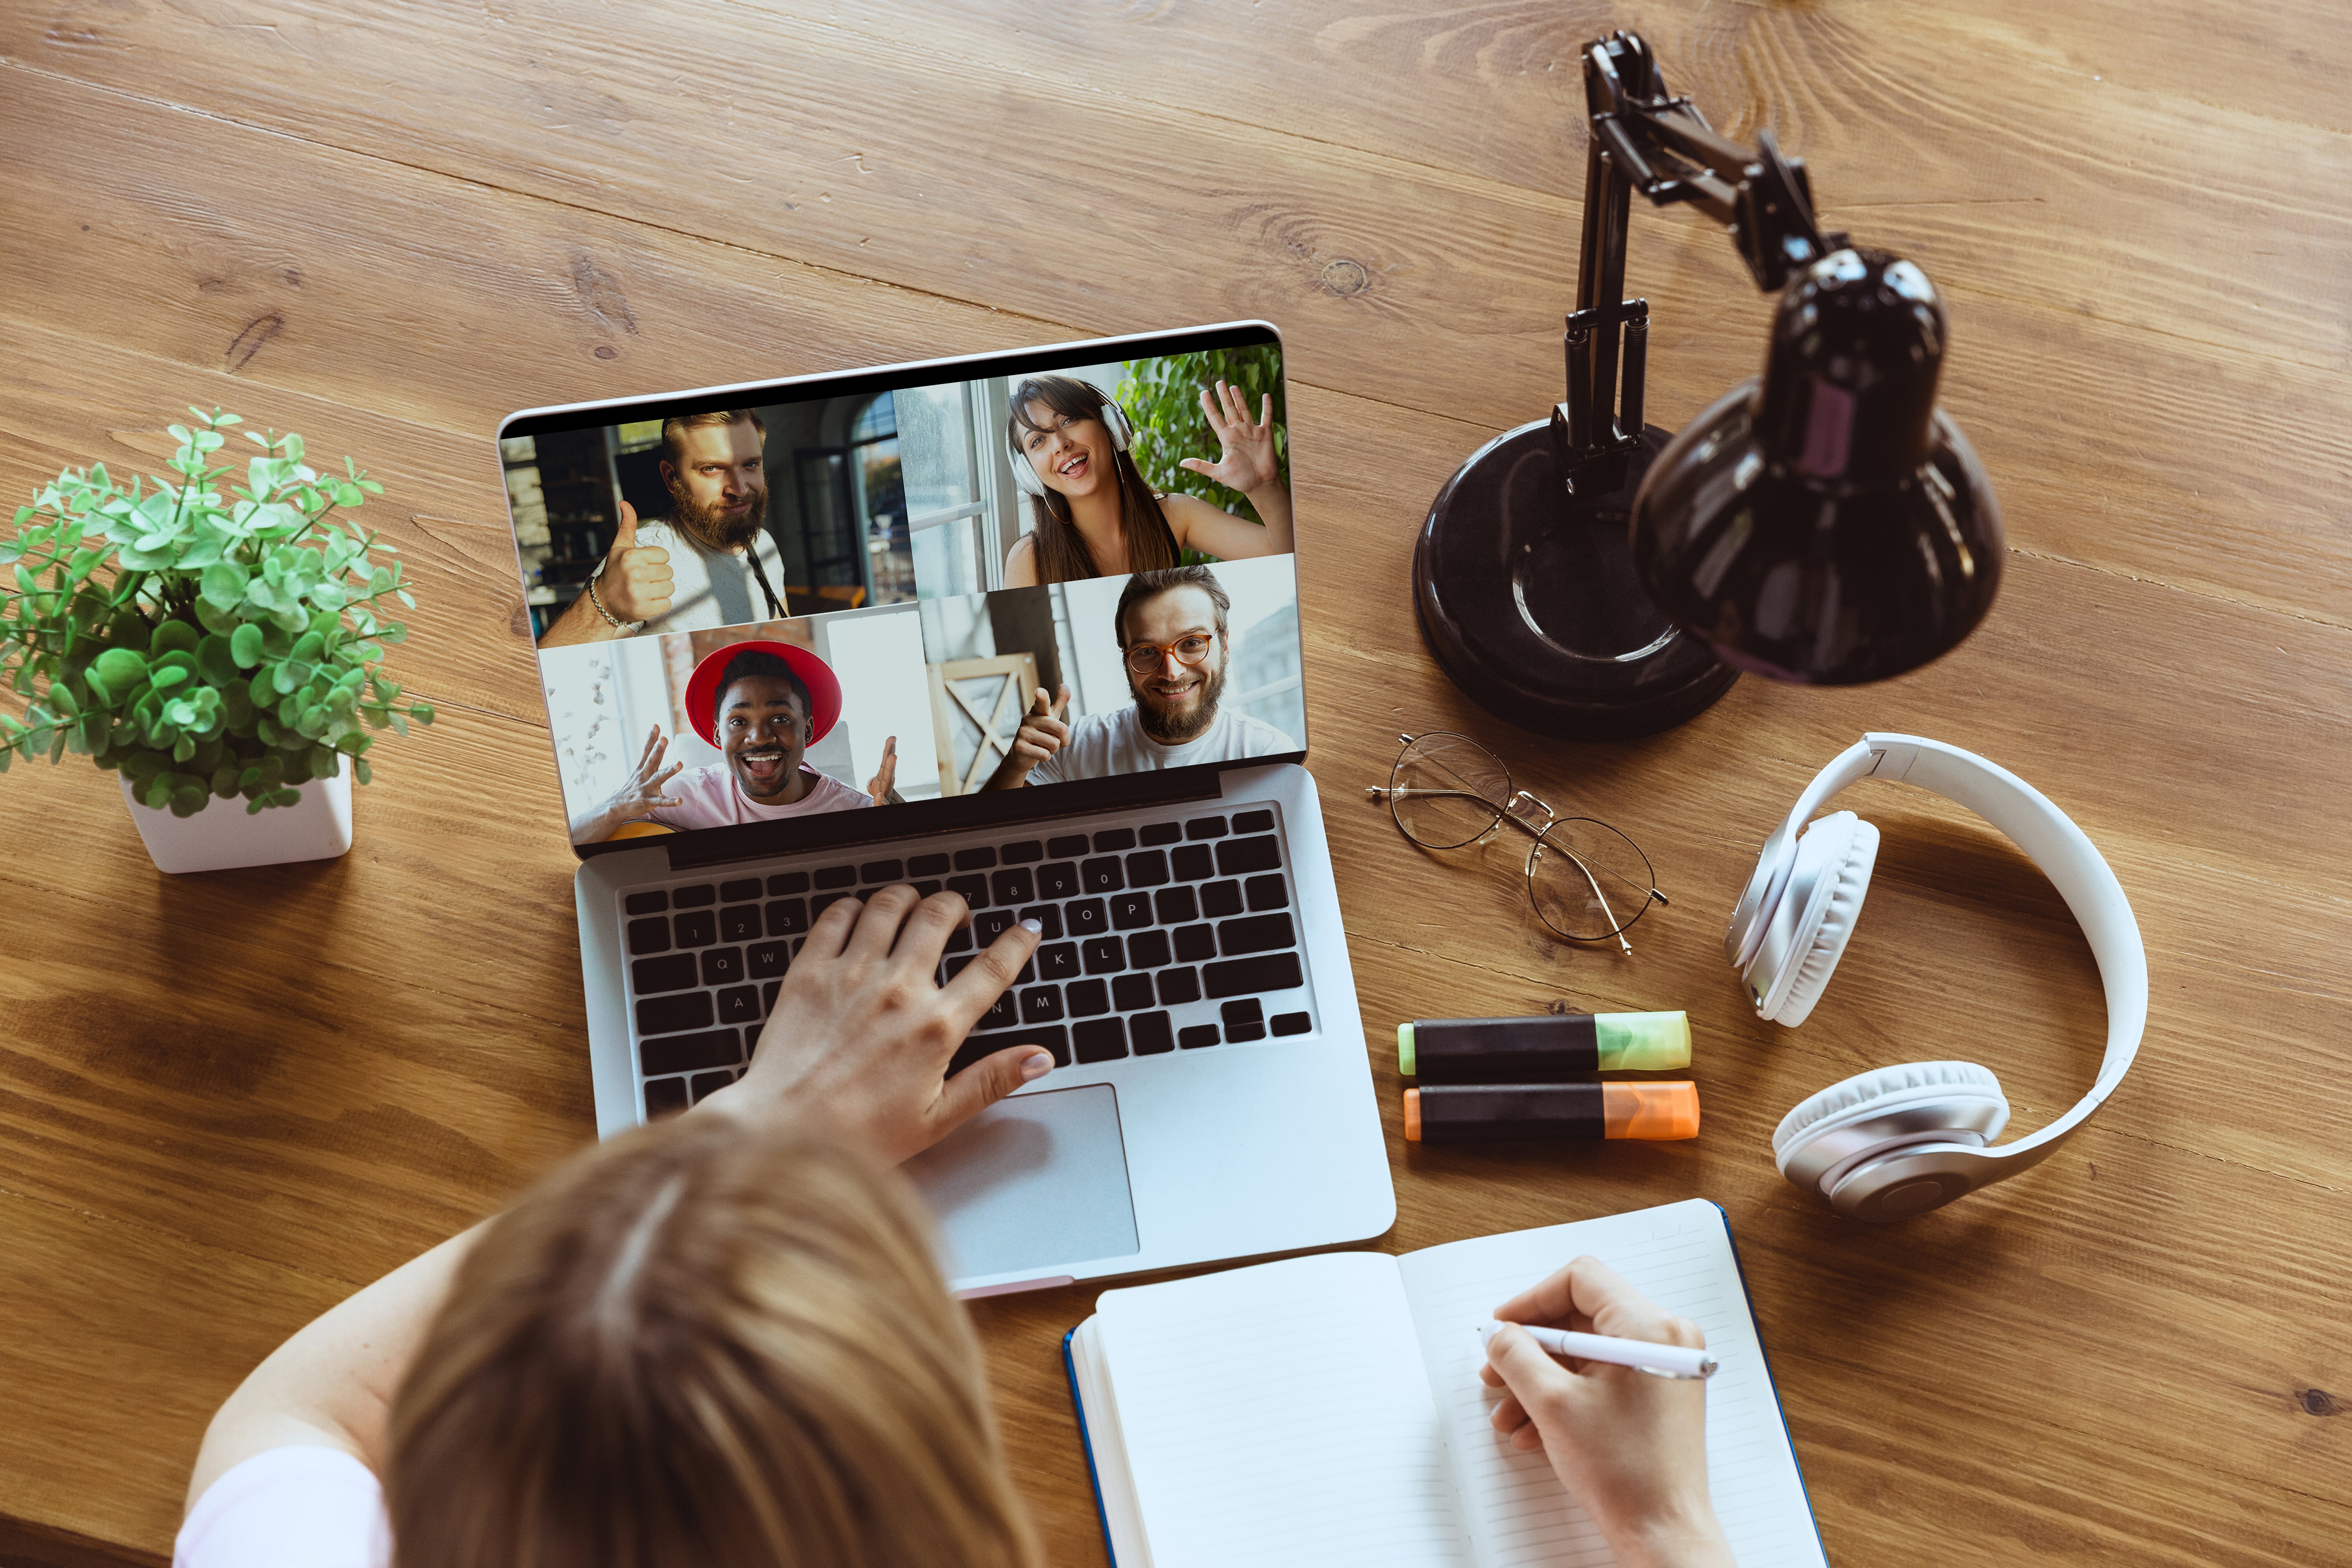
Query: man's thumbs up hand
pixel 635 585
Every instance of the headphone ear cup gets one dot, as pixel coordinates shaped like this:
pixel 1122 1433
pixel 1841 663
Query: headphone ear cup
pixel 1834 860
pixel 1114 421
pixel 1024 472
pixel 1825 1136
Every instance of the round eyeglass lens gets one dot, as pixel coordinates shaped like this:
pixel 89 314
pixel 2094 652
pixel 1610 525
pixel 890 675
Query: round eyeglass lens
pixel 1588 880
pixel 1447 790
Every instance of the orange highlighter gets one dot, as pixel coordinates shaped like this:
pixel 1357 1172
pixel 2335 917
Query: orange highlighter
pixel 1552 1112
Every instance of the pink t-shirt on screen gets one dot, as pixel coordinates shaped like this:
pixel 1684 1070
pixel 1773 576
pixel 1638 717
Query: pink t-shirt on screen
pixel 710 797
pixel 303 1507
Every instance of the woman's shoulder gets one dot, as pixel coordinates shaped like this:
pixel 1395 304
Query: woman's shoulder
pixel 1021 564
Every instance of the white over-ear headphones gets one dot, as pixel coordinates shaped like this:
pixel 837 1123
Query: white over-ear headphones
pixel 1900 1141
pixel 1024 472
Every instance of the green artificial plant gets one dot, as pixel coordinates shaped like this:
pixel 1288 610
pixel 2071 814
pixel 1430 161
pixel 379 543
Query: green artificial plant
pixel 1161 399
pixel 206 639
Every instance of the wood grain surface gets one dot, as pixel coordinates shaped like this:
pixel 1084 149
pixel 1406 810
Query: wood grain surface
pixel 226 1101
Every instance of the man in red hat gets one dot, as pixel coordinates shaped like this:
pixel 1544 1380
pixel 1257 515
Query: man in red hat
pixel 763 704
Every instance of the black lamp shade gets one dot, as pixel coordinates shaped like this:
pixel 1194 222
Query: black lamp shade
pixel 1830 526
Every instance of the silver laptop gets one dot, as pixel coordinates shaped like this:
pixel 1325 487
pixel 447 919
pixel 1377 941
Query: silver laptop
pixel 794 649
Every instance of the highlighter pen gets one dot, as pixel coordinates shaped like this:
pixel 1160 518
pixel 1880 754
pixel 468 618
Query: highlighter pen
pixel 1641 1356
pixel 1551 1048
pixel 1553 1112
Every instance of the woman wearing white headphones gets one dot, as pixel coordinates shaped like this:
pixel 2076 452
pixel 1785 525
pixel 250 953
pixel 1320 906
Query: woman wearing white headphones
pixel 1095 515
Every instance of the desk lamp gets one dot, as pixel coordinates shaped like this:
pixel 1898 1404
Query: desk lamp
pixel 1594 577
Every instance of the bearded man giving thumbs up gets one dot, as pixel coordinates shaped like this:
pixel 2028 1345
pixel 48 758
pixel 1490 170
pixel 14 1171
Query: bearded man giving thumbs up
pixel 711 563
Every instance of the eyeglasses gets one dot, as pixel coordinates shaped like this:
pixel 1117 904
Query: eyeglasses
pixel 1587 880
pixel 1144 657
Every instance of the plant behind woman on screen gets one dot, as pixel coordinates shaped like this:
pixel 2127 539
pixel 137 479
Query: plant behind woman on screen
pixel 1061 554
pixel 1163 400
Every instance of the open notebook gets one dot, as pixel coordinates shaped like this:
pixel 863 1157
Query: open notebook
pixel 1327 1409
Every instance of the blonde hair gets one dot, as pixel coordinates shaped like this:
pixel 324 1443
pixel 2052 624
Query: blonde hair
pixel 674 430
pixel 702 1345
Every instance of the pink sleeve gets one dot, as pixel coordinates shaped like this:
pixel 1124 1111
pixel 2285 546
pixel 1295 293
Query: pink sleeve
pixel 289 1508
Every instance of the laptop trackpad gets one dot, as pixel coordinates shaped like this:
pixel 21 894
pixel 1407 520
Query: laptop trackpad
pixel 1034 1181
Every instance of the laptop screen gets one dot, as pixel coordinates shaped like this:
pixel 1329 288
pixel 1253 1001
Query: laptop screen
pixel 938 583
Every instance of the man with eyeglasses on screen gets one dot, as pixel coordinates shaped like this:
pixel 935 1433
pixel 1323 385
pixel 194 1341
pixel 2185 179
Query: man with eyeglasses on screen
pixel 1171 626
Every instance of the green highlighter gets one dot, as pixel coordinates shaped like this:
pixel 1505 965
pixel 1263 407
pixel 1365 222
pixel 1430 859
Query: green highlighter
pixel 1551 1048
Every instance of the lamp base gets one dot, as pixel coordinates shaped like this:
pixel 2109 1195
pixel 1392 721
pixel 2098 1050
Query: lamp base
pixel 1528 600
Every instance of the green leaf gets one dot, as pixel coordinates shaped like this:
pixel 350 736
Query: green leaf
pixel 188 799
pixel 360 770
pixel 217 660
pixel 167 677
pixel 421 712
pixel 223 584
pixel 174 636
pixel 120 668
pixel 324 763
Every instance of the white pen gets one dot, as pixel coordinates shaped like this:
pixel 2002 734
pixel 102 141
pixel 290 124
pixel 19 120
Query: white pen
pixel 1641 1356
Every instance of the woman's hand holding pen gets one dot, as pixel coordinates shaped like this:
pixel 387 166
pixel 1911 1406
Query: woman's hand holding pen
pixel 1630 1448
pixel 640 793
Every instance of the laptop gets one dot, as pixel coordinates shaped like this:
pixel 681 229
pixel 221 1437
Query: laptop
pixel 796 645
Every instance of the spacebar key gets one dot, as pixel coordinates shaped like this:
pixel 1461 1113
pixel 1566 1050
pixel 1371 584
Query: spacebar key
pixel 1249 976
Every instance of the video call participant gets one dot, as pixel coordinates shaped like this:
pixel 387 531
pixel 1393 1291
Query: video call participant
pixel 763 704
pixel 711 563
pixel 1098 519
pixel 1172 627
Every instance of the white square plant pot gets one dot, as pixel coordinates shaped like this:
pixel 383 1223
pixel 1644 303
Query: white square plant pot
pixel 224 835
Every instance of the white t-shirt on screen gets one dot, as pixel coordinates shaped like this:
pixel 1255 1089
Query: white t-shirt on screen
pixel 710 797
pixel 1102 745
pixel 303 1507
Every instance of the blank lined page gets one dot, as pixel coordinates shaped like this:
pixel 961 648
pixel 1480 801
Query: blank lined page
pixel 1680 1256
pixel 1280 1415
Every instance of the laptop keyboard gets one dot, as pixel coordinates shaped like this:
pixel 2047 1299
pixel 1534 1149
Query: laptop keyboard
pixel 1160 937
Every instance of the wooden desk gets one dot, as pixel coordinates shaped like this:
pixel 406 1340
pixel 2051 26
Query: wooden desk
pixel 226 1101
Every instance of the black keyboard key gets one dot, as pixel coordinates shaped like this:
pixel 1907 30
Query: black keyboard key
pixel 838 877
pixel 767 1003
pixel 1099 1040
pixel 1259 933
pixel 1239 856
pixel 924 890
pixel 736 893
pixel 784 884
pixel 975 890
pixel 1087 917
pixel 1130 911
pixel 1111 838
pixel 649 935
pixel 1058 880
pixel 1254 822
pixel 1292 1024
pixel 1196 944
pixel 1002 1014
pixel 665 1096
pixel 1199 1034
pixel 1128 993
pixel 740 923
pixel 700 929
pixel 1058 961
pixel 824 902
pixel 1162 833
pixel 1054 1037
pixel 1040 1005
pixel 1149 1033
pixel 1104 955
pixel 1148 949
pixel 1268 892
pixel 1028 852
pixel 959 940
pixel 1248 1010
pixel 1191 863
pixel 651 976
pixel 1147 868
pixel 882 871
pixel 1085 998
pixel 1243 1034
pixel 696 898
pixel 767 960
pixel 740 1004
pixel 1049 920
pixel 1178 986
pixel 980 858
pixel 1219 899
pixel 788 917
pixel 990 924
pixel 927 866
pixel 1206 828
pixel 668 1014
pixel 687 1053
pixel 1176 906
pixel 956 965
pixel 1243 976
pixel 1101 875
pixel 722 966
pixel 706 1083
pixel 651 903
pixel 1068 844
pixel 1012 885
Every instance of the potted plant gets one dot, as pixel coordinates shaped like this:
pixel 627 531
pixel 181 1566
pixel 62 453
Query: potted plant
pixel 209 642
